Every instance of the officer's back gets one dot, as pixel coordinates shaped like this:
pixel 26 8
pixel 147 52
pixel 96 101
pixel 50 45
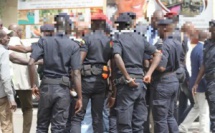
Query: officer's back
pixel 97 47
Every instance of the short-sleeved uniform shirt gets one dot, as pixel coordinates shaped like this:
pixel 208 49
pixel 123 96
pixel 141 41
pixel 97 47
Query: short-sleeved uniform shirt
pixel 59 53
pixel 171 55
pixel 132 48
pixel 98 48
pixel 184 44
pixel 209 57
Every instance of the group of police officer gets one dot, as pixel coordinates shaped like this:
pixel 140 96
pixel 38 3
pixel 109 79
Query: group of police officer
pixel 101 64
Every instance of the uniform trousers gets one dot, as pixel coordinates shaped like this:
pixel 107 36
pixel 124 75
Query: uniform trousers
pixel 131 108
pixel 94 88
pixel 53 108
pixel 210 95
pixel 164 95
pixel 6 116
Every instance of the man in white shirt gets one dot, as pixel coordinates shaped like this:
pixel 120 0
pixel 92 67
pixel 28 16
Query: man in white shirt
pixel 21 80
pixel 7 102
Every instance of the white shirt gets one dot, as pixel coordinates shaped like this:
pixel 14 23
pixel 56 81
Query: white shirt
pixel 188 61
pixel 20 73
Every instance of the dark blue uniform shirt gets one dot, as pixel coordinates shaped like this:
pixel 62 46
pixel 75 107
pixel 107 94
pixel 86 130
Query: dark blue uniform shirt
pixel 171 55
pixel 209 57
pixel 132 48
pixel 59 54
pixel 196 62
pixel 98 48
pixel 183 42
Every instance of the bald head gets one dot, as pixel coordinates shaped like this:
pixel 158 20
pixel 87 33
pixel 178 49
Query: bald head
pixel 188 28
pixel 157 16
pixel 17 30
pixel 13 27
pixel 4 38
pixel 203 35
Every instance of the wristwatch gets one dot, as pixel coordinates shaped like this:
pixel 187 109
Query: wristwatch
pixel 128 81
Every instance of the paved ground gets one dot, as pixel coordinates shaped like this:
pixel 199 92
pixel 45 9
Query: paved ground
pixel 18 123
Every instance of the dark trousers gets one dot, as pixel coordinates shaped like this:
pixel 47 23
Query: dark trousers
pixel 71 113
pixel 53 108
pixel 210 95
pixel 112 120
pixel 131 108
pixel 148 102
pixel 164 94
pixel 93 88
pixel 185 94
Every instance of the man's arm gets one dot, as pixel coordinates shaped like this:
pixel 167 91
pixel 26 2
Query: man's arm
pixel 20 48
pixel 120 64
pixel 6 79
pixel 155 62
pixel 31 68
pixel 76 74
pixel 18 60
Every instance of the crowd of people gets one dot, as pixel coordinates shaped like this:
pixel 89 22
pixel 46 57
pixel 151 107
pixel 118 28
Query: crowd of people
pixel 124 77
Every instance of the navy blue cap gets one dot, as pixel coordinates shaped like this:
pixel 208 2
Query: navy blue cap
pixel 212 23
pixel 124 18
pixel 47 27
pixel 64 15
pixel 165 22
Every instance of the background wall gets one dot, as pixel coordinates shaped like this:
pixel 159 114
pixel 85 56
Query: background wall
pixel 8 11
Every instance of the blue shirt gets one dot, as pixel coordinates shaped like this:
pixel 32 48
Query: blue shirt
pixel 152 35
pixel 196 61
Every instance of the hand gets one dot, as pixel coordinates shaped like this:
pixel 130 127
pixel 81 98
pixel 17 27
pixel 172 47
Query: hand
pixel 13 105
pixel 133 83
pixel 147 79
pixel 111 101
pixel 78 106
pixel 36 92
pixel 194 89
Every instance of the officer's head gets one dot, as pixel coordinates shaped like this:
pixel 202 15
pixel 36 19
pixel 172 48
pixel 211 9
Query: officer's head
pixel 125 21
pixel 98 22
pixel 62 22
pixel 174 16
pixel 165 26
pixel 157 16
pixel 212 28
pixel 47 29
pixel 4 36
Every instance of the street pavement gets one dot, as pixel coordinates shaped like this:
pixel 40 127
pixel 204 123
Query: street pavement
pixel 18 122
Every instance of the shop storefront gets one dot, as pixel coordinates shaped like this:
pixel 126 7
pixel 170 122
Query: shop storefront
pixel 34 13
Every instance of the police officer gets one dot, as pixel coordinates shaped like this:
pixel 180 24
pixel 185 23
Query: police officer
pixel 59 54
pixel 128 51
pixel 208 69
pixel 95 54
pixel 47 30
pixel 165 83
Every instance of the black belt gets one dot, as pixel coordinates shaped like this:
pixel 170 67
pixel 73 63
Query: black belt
pixel 58 81
pixel 122 79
